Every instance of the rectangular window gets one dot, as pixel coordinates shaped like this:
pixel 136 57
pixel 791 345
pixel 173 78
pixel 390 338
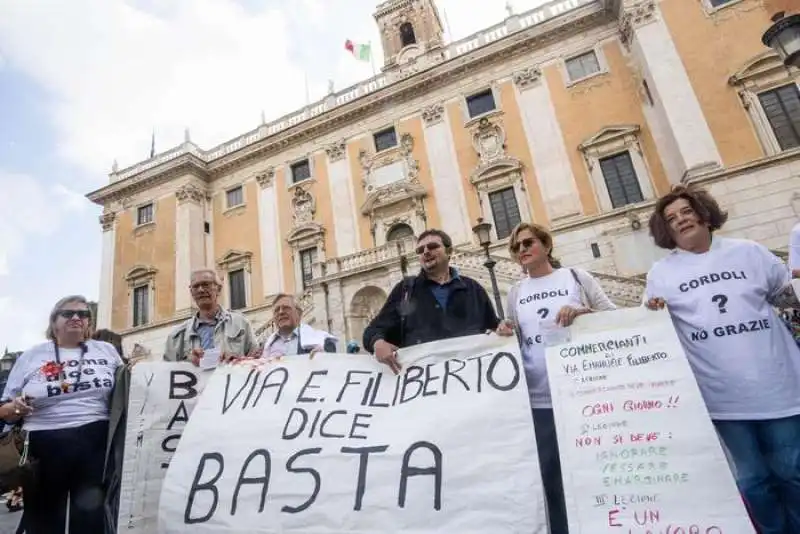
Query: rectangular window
pixel 385 139
pixel 717 3
pixel 580 67
pixel 307 259
pixel 144 214
pixel 621 180
pixel 595 250
pixel 301 171
pixel 235 197
pixel 505 211
pixel 141 305
pixel 480 103
pixel 782 108
pixel 236 286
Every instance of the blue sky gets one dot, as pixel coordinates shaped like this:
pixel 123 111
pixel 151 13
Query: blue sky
pixel 85 82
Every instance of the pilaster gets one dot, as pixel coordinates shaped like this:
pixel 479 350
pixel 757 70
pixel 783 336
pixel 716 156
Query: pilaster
pixel 682 135
pixel 107 221
pixel 189 242
pixel 269 233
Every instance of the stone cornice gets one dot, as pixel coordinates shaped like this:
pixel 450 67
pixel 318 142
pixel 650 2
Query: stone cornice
pixel 438 75
pixel 185 164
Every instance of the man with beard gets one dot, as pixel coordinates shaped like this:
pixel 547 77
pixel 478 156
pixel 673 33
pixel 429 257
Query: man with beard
pixel 439 303
pixel 212 327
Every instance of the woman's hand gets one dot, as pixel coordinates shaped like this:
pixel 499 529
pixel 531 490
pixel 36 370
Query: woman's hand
pixel 655 303
pixel 567 315
pixel 16 409
pixel 505 328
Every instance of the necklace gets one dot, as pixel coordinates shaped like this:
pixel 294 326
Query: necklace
pixel 62 372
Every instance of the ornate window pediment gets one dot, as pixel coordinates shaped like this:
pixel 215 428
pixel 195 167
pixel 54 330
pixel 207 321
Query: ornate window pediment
pixel 390 176
pixel 235 259
pixel 392 194
pixel 140 275
pixel 496 168
pixel 760 75
pixel 610 140
pixel 761 72
pixel 305 231
pixel 614 155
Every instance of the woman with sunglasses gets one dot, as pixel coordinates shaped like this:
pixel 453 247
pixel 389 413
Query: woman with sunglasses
pixel 60 391
pixel 549 297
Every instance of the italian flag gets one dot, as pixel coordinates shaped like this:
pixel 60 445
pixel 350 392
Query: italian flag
pixel 361 52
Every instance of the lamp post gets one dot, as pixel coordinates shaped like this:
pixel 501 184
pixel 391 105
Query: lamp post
pixel 784 34
pixel 483 230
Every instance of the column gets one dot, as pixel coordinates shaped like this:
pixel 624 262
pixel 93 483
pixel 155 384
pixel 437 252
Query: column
pixel 449 191
pixel 551 162
pixel 686 141
pixel 189 242
pixel 345 225
pixel 103 319
pixel 271 241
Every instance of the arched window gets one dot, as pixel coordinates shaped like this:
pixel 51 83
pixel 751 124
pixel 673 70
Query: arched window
pixel 407 36
pixel 398 232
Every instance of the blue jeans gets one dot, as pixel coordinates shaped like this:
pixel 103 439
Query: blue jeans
pixel 766 456
pixel 550 465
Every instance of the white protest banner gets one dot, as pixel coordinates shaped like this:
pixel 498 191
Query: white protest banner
pixel 162 397
pixel 639 452
pixel 339 444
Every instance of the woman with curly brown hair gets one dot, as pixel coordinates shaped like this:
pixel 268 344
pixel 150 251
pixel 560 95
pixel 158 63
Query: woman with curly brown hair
pixel 720 293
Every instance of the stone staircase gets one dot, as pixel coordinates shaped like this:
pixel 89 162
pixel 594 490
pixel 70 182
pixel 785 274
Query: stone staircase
pixel 623 291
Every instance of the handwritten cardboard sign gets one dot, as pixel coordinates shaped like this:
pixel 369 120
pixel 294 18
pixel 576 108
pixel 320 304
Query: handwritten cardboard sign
pixel 638 450
pixel 340 444
pixel 162 397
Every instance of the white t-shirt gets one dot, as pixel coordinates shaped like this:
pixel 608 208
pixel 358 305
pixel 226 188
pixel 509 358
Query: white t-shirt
pixel 52 408
pixel 538 302
pixel 745 361
pixel 794 247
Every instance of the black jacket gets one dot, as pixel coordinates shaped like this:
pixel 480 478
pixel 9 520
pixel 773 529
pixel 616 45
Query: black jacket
pixel 412 315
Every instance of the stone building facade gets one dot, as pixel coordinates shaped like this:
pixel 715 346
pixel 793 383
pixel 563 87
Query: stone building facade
pixel 576 115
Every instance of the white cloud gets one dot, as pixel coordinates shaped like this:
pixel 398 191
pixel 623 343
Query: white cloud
pixel 209 65
pixel 31 210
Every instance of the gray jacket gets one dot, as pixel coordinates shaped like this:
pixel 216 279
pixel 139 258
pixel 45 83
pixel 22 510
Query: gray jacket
pixel 232 335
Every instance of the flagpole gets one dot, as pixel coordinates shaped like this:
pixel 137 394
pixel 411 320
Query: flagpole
pixel 447 26
pixel 372 59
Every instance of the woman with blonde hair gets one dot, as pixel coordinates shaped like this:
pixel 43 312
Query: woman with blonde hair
pixel 548 297
pixel 60 391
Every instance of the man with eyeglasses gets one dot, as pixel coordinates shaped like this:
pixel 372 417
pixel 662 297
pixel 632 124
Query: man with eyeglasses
pixel 439 303
pixel 212 328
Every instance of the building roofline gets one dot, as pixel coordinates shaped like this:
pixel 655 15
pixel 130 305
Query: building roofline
pixel 319 118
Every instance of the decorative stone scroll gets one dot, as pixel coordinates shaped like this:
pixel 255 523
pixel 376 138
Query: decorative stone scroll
pixel 266 177
pixel 190 193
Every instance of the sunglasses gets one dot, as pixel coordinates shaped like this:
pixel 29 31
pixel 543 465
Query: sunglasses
pixel 69 314
pixel 525 243
pixel 430 247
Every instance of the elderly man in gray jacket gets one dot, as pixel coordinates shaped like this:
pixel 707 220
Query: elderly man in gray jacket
pixel 212 327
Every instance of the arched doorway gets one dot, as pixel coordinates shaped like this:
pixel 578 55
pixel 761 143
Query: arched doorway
pixel 365 305
pixel 398 232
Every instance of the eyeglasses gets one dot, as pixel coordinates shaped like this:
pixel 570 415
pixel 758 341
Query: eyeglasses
pixel 203 285
pixel 525 243
pixel 69 314
pixel 429 246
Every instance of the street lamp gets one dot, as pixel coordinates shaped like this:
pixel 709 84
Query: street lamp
pixel 483 230
pixel 6 363
pixel 784 34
